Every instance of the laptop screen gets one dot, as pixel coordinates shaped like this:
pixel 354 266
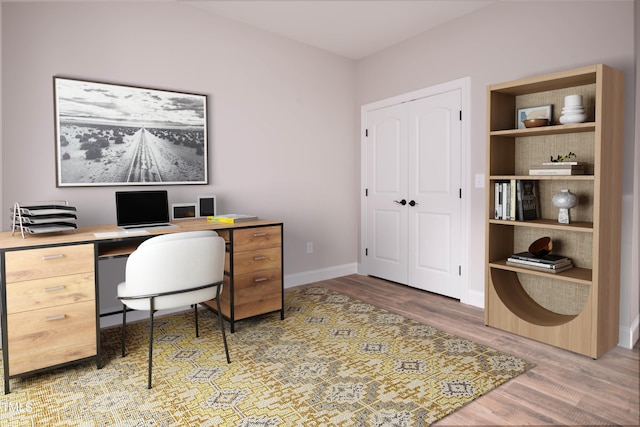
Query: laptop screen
pixel 139 208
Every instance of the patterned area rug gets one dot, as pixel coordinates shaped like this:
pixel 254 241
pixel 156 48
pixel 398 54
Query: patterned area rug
pixel 333 361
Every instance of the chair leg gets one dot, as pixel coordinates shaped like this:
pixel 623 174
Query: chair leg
pixel 195 310
pixel 150 342
pixel 124 326
pixel 224 335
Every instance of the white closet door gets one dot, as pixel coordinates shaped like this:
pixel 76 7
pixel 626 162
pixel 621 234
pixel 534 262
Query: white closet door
pixel 413 206
pixel 434 184
pixel 387 187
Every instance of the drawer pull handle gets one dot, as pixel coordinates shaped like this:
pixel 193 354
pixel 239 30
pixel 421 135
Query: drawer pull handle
pixel 54 288
pixel 260 279
pixel 56 317
pixel 259 234
pixel 47 257
pixel 259 258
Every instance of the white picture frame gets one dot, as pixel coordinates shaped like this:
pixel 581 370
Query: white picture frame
pixel 116 135
pixel 182 211
pixel 206 206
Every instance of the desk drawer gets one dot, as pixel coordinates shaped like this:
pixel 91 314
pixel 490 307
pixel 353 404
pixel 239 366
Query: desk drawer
pixel 259 280
pixel 30 264
pixel 50 336
pixel 264 259
pixel 254 293
pixel 256 238
pixel 50 292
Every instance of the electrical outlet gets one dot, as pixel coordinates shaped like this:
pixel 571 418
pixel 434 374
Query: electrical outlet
pixel 309 247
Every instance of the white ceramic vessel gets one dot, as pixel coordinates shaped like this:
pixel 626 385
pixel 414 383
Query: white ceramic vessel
pixel 568 110
pixel 564 200
pixel 573 111
pixel 573 101
pixel 572 118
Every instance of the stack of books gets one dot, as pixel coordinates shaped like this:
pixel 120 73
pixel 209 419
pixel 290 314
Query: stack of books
pixel 516 200
pixel 559 168
pixel 549 263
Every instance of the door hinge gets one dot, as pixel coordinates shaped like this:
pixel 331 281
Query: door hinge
pixel 460 193
pixel 459 270
pixel 366 133
pixel 366 252
pixel 460 115
pixel 366 192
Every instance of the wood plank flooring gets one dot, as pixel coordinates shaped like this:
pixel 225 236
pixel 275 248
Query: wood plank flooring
pixel 564 388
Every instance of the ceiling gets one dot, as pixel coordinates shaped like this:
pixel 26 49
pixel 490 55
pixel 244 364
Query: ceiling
pixel 349 28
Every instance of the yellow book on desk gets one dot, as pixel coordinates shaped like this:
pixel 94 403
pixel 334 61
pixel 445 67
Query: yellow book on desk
pixel 231 218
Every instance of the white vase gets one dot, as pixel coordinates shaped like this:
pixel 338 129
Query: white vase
pixel 573 111
pixel 564 200
pixel 572 118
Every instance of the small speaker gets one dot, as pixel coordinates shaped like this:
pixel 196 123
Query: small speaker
pixel 183 211
pixel 206 206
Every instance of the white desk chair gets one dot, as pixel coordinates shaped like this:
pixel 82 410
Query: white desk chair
pixel 174 270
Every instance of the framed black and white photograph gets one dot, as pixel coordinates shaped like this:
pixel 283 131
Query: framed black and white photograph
pixel 540 112
pixel 108 135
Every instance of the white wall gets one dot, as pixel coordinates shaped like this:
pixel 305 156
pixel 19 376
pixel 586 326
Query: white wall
pixel 507 41
pixel 281 116
pixel 634 301
pixel 284 117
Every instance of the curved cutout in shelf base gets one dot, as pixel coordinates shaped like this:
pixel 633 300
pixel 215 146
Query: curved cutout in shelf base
pixel 558 296
pixel 517 300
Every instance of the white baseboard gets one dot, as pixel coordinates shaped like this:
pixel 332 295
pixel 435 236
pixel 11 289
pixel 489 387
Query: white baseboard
pixel 290 280
pixel 629 336
pixel 296 279
pixel 133 316
pixel 474 298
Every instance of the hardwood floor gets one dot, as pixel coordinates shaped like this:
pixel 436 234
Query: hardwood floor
pixel 563 388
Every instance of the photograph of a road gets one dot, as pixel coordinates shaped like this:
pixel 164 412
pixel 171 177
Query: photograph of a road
pixel 120 135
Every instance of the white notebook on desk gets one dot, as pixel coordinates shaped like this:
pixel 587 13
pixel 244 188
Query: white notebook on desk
pixel 121 233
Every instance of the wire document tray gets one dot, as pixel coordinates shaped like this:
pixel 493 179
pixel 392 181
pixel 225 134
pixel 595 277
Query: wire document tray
pixel 42 217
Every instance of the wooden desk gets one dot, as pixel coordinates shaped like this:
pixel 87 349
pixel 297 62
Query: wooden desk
pixel 49 287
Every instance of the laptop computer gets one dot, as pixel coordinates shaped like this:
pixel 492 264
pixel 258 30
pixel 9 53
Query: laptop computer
pixel 137 210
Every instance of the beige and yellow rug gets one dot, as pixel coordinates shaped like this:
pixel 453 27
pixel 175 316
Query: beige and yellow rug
pixel 333 361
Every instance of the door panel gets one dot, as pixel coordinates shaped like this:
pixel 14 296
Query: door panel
pixel 433 157
pixel 387 150
pixel 388 245
pixel 433 246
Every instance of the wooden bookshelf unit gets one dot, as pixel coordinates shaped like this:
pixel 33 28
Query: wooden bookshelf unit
pixel 577 309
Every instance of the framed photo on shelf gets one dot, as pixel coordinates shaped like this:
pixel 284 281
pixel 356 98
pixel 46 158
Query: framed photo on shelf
pixel 112 135
pixel 540 112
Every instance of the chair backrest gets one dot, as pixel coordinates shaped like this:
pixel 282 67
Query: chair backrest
pixel 174 262
pixel 177 236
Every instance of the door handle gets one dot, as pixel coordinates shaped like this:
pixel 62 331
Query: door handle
pixel 401 202
pixel 413 203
